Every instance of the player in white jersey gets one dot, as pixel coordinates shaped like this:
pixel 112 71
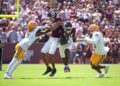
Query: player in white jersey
pixel 31 36
pixel 100 51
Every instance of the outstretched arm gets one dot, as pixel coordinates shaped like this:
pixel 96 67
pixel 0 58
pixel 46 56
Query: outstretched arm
pixel 91 40
pixel 54 26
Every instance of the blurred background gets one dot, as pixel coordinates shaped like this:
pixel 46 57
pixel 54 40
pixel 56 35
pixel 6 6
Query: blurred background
pixel 81 13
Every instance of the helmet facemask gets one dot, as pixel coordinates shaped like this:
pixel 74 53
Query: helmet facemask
pixel 68 27
pixel 68 30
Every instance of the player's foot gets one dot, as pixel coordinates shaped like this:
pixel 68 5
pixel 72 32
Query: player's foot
pixel 7 76
pixel 106 69
pixel 49 69
pixel 53 72
pixel 66 69
pixel 100 75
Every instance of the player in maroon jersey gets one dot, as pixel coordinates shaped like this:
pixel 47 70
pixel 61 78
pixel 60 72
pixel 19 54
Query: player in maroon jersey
pixel 67 38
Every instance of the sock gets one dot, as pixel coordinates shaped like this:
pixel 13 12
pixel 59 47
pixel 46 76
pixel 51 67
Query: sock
pixel 67 55
pixel 96 68
pixel 63 60
pixel 100 67
pixel 15 66
pixel 12 66
pixel 66 66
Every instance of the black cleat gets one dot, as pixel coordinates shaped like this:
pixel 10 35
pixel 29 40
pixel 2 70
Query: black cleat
pixel 49 69
pixel 53 72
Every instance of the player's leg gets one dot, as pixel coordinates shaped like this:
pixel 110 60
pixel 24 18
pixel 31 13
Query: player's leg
pixel 17 59
pixel 95 64
pixel 64 54
pixel 99 60
pixel 52 60
pixel 67 55
pixel 48 68
pixel 102 66
pixel 43 55
pixel 97 68
pixel 66 60
pixel 53 48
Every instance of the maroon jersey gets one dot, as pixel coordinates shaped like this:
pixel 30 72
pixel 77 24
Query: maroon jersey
pixel 70 35
pixel 56 33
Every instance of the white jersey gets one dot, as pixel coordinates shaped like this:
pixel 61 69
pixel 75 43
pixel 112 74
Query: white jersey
pixel 98 41
pixel 29 39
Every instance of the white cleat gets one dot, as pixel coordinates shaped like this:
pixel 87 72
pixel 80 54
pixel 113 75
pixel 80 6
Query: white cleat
pixel 100 75
pixel 7 76
pixel 106 69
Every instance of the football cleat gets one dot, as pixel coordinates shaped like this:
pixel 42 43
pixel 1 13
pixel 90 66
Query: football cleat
pixel 66 69
pixel 7 76
pixel 100 75
pixel 53 72
pixel 49 69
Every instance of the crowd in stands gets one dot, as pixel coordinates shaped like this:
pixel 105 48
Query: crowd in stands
pixel 81 13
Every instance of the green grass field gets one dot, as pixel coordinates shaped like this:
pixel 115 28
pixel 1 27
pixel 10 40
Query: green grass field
pixel 80 75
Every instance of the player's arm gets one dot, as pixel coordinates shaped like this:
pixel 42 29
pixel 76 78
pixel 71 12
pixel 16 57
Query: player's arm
pixel 93 40
pixel 54 26
pixel 42 32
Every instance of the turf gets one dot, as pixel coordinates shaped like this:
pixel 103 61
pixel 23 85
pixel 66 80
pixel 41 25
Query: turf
pixel 80 75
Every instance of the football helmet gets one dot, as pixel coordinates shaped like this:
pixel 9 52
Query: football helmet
pixel 52 15
pixel 31 25
pixel 93 27
pixel 68 27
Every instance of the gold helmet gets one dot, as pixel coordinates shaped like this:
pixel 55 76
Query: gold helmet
pixel 93 27
pixel 31 25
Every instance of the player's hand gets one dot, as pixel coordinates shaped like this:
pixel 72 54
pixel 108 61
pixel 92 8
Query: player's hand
pixel 47 27
pixel 41 37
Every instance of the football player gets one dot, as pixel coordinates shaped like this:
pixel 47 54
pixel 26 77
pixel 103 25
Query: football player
pixel 100 51
pixel 31 36
pixel 66 40
pixel 51 45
